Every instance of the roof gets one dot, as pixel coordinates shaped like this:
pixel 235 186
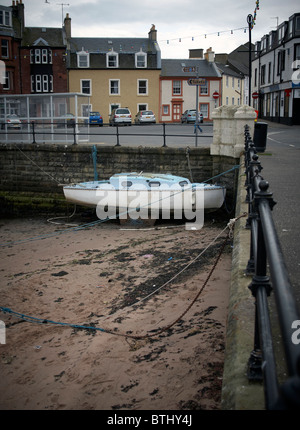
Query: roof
pixel 227 70
pixel 174 67
pixel 43 36
pixel 118 45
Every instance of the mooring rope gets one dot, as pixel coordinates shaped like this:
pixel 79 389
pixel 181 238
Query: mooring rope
pixel 31 319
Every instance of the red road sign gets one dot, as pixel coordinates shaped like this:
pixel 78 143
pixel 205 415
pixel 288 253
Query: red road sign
pixel 255 95
pixel 216 95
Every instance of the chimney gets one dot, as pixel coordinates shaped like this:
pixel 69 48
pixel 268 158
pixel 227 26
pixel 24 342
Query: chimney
pixel 209 55
pixel 19 14
pixel 153 33
pixel 196 53
pixel 67 25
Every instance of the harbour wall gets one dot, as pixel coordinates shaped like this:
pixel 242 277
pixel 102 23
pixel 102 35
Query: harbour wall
pixel 33 175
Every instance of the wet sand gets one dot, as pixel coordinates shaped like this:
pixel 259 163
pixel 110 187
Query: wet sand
pixel 153 347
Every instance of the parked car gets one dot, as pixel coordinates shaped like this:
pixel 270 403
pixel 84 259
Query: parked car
pixel 11 121
pixel 95 118
pixel 190 116
pixel 119 116
pixel 66 120
pixel 145 116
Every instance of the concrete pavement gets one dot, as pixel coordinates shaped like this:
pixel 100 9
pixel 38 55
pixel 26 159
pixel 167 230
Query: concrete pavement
pixel 280 164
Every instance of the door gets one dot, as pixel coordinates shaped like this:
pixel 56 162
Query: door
pixel 176 112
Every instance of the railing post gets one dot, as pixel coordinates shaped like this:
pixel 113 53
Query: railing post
pixel 33 132
pixel 164 134
pixel 117 134
pixel 74 133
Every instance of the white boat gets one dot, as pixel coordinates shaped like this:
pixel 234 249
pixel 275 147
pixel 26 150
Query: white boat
pixel 144 195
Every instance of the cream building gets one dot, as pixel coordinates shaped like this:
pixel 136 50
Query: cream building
pixel 115 72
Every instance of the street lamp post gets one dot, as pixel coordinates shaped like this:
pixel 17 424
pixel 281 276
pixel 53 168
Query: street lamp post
pixel 250 24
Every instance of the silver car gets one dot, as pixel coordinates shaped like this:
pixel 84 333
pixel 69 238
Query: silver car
pixel 145 116
pixel 120 116
pixel 12 121
pixel 190 116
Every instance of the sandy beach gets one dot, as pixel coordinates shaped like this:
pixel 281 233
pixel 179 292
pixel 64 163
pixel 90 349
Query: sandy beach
pixel 158 342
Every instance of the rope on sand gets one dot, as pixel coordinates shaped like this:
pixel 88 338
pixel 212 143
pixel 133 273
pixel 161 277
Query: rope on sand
pixel 31 319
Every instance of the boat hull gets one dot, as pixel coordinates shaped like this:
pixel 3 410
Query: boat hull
pixel 144 203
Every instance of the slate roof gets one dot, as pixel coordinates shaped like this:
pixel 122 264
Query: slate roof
pixel 52 36
pixel 173 68
pixel 118 45
pixel 227 70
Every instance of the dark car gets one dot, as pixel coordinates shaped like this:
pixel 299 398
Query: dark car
pixel 95 119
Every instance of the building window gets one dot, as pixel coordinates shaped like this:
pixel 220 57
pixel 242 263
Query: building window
pixel 166 110
pixel 83 59
pixel 44 56
pixel 269 72
pixel 114 87
pixel 142 87
pixel 41 83
pixel 263 74
pixel 85 110
pixel 142 107
pixel 232 82
pixel 176 88
pixel 232 100
pixel 280 61
pixel 255 77
pixel 6 84
pixel 38 84
pixel 204 89
pixel 227 101
pixel 204 109
pixel 112 60
pixel 4 48
pixel 227 81
pixel 141 60
pixel 86 86
pixel 37 56
pixel 5 18
pixel 45 84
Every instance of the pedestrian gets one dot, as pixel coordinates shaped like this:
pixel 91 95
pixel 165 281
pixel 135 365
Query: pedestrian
pixel 196 125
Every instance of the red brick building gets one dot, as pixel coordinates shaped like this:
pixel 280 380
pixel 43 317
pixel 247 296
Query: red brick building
pixel 9 52
pixel 34 58
pixel 43 61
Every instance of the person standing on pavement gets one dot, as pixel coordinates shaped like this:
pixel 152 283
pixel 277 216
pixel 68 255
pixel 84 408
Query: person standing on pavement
pixel 196 125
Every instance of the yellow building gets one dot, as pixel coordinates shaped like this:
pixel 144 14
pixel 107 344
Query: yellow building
pixel 115 72
pixel 233 86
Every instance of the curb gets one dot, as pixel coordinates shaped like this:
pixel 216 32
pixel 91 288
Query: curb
pixel 237 392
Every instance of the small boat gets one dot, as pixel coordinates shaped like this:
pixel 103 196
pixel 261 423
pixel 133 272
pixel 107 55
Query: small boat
pixel 143 195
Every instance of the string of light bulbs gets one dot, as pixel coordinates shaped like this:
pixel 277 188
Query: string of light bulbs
pixel 254 14
pixel 218 33
pixel 205 35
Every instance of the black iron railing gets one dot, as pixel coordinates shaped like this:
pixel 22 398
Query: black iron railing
pixel 269 275
pixel 36 132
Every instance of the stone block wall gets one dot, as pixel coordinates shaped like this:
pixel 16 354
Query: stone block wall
pixel 32 175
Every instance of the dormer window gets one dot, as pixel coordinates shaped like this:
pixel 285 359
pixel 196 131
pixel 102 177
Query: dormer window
pixel 83 59
pixel 112 60
pixel 5 18
pixel 141 60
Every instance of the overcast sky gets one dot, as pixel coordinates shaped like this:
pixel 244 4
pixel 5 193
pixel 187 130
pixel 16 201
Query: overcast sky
pixel 181 24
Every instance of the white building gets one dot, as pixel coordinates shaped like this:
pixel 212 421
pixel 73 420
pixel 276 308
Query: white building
pixel 275 73
pixel 177 95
